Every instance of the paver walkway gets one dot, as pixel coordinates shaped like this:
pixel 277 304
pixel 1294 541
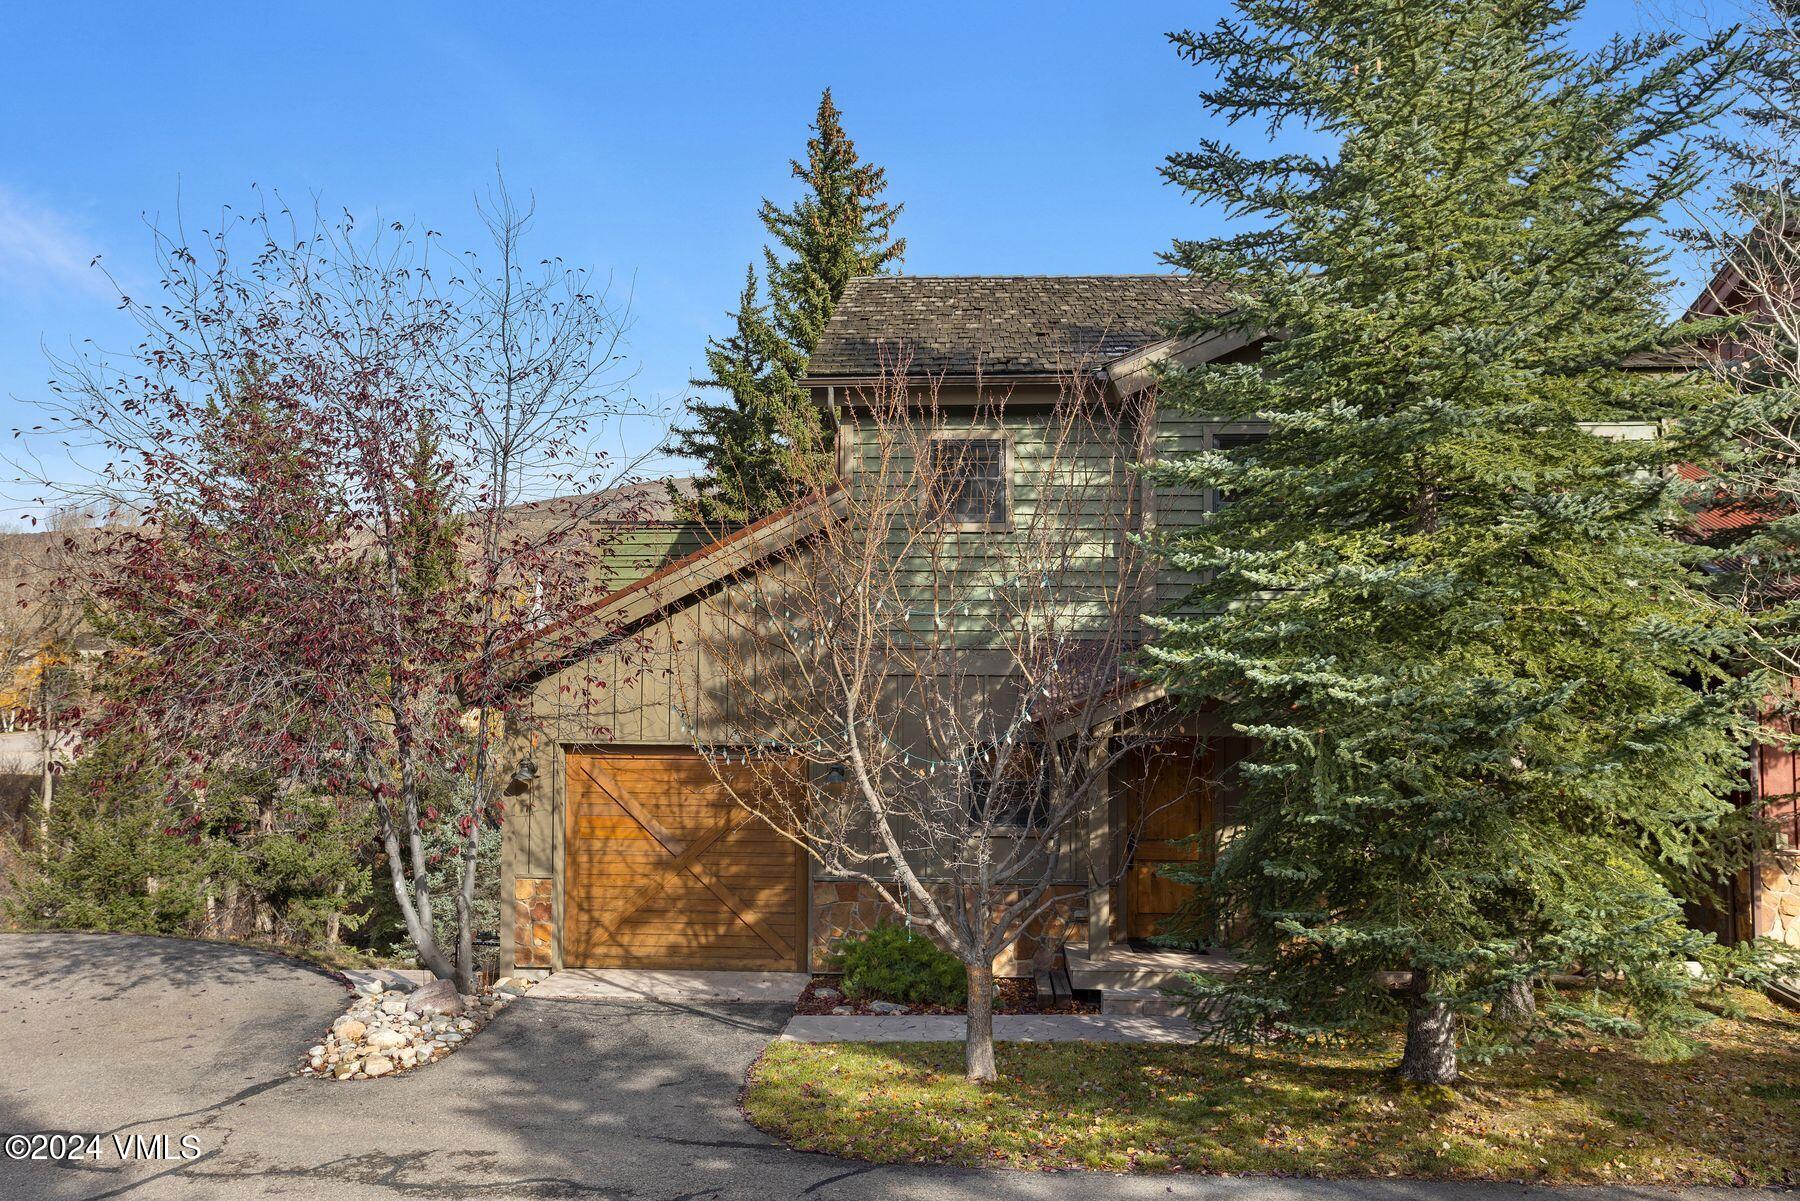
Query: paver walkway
pixel 1008 1028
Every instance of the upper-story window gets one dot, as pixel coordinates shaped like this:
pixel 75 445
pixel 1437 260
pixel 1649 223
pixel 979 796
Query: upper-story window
pixel 1232 441
pixel 969 482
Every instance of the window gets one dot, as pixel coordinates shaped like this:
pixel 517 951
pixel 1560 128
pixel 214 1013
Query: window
pixel 1229 442
pixel 968 481
pixel 1019 798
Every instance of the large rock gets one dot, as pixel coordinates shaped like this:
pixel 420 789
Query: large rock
pixel 376 1065
pixel 378 981
pixel 348 1029
pixel 440 996
pixel 386 1040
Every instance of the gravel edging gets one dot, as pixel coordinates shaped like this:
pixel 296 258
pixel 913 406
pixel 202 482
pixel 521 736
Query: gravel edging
pixel 395 1025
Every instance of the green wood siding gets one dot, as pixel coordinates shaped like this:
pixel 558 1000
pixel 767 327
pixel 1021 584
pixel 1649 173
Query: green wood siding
pixel 635 553
pixel 960 577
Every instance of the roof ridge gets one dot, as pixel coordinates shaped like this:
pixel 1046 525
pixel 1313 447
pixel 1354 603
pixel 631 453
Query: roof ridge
pixel 1005 324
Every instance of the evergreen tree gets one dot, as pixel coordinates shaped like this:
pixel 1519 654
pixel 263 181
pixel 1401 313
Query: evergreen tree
pixel 840 228
pixel 767 433
pixel 1485 687
pixel 738 436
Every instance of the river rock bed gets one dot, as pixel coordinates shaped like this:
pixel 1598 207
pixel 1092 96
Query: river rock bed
pixel 393 1027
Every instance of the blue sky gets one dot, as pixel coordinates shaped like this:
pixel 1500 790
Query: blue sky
pixel 1021 138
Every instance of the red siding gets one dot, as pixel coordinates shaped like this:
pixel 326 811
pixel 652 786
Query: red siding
pixel 1778 777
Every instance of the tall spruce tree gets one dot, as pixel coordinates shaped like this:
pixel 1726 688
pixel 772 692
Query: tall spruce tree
pixel 767 433
pixel 738 436
pixel 1484 686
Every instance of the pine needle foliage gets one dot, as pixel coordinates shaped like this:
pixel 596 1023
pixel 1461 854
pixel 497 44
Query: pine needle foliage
pixel 766 433
pixel 1752 238
pixel 1483 680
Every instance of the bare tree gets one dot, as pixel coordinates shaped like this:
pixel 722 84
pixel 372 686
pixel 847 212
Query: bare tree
pixel 312 473
pixel 935 672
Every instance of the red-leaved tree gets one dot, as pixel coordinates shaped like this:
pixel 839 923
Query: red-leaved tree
pixel 314 470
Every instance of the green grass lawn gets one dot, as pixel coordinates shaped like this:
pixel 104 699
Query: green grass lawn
pixel 1587 1112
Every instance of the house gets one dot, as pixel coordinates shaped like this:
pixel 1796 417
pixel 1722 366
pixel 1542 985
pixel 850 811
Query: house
pixel 623 849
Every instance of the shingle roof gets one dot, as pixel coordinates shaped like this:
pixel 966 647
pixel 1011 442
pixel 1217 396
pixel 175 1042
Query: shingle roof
pixel 961 325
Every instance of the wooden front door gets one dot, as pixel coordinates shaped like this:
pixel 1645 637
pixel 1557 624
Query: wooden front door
pixel 666 870
pixel 1168 798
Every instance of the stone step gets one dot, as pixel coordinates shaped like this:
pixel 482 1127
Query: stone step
pixel 1145 1002
pixel 1128 979
pixel 1127 970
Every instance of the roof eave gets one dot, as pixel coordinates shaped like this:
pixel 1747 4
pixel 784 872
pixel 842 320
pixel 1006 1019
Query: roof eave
pixel 938 378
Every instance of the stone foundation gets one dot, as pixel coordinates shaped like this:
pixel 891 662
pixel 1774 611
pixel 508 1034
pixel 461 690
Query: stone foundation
pixel 534 922
pixel 1776 879
pixel 846 907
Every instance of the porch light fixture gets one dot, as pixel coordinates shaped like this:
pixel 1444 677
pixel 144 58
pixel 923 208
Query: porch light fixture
pixel 526 772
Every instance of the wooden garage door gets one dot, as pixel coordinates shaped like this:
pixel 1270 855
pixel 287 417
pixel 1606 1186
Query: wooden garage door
pixel 665 870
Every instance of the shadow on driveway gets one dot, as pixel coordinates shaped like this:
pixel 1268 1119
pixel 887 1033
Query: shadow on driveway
pixel 554 1099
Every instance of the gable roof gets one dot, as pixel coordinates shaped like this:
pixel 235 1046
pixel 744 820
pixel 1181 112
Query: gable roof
pixel 1001 325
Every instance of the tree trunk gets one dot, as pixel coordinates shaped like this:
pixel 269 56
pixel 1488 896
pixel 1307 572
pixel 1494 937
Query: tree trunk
pixel 1517 1005
pixel 465 945
pixel 431 958
pixel 415 910
pixel 334 921
pixel 466 981
pixel 48 780
pixel 978 1053
pixel 1430 1056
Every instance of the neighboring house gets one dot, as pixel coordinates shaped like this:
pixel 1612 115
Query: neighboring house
pixel 1765 899
pixel 621 847
pixel 47 655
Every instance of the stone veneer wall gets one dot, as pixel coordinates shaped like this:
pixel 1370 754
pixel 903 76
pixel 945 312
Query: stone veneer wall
pixel 1776 879
pixel 534 926
pixel 842 907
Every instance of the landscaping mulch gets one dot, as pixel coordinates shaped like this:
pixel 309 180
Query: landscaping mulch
pixel 1584 1111
pixel 825 995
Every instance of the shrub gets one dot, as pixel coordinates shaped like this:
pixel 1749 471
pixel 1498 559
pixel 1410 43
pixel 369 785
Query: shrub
pixel 109 862
pixel 242 857
pixel 894 964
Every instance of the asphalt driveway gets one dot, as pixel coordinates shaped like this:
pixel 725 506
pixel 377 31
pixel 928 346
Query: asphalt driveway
pixel 124 1035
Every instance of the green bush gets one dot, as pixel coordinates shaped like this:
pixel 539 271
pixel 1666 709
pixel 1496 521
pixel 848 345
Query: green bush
pixel 241 858
pixel 894 964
